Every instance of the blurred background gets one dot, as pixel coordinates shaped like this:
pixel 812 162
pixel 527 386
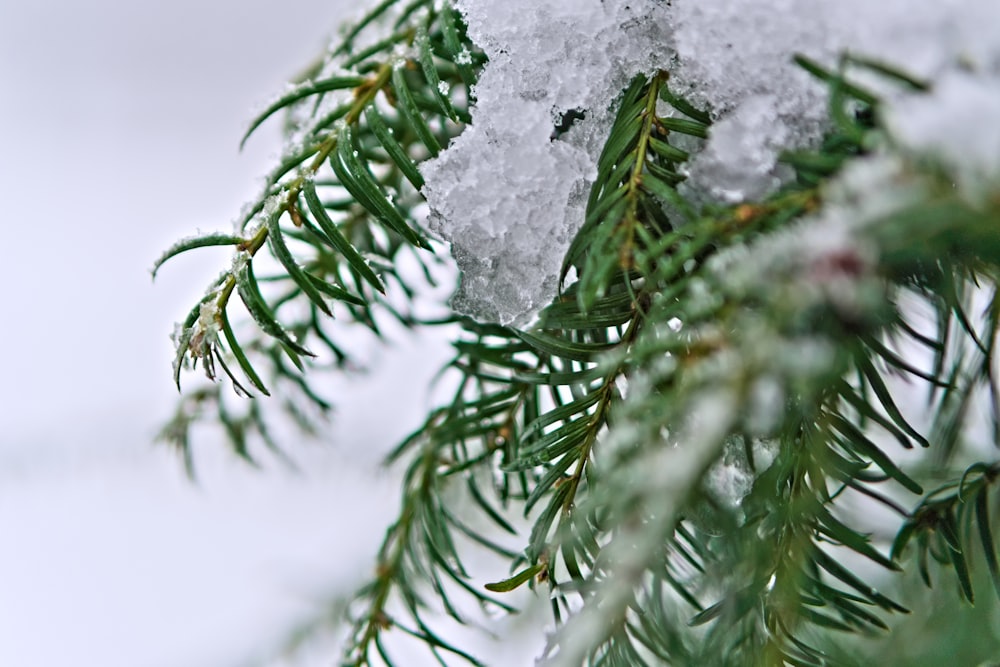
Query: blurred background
pixel 119 128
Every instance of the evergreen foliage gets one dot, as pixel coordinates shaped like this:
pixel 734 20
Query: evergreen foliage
pixel 689 343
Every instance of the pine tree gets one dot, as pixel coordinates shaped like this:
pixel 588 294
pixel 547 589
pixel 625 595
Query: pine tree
pixel 699 426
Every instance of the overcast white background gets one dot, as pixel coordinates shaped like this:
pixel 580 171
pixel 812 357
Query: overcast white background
pixel 119 126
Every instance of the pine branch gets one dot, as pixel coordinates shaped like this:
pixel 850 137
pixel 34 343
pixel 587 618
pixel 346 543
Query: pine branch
pixel 821 446
pixel 358 125
pixel 420 550
pixel 759 344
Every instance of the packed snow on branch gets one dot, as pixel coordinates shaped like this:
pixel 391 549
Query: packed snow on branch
pixel 951 124
pixel 509 193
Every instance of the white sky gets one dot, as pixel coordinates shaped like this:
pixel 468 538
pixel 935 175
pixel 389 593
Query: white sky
pixel 119 127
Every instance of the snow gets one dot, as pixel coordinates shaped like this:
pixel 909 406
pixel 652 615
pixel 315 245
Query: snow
pixel 739 162
pixel 730 478
pixel 736 58
pixel 206 327
pixel 947 124
pixel 509 198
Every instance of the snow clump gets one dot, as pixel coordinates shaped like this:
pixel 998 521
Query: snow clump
pixel 509 193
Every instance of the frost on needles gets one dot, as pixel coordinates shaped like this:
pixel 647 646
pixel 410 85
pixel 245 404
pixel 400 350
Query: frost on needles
pixel 509 193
